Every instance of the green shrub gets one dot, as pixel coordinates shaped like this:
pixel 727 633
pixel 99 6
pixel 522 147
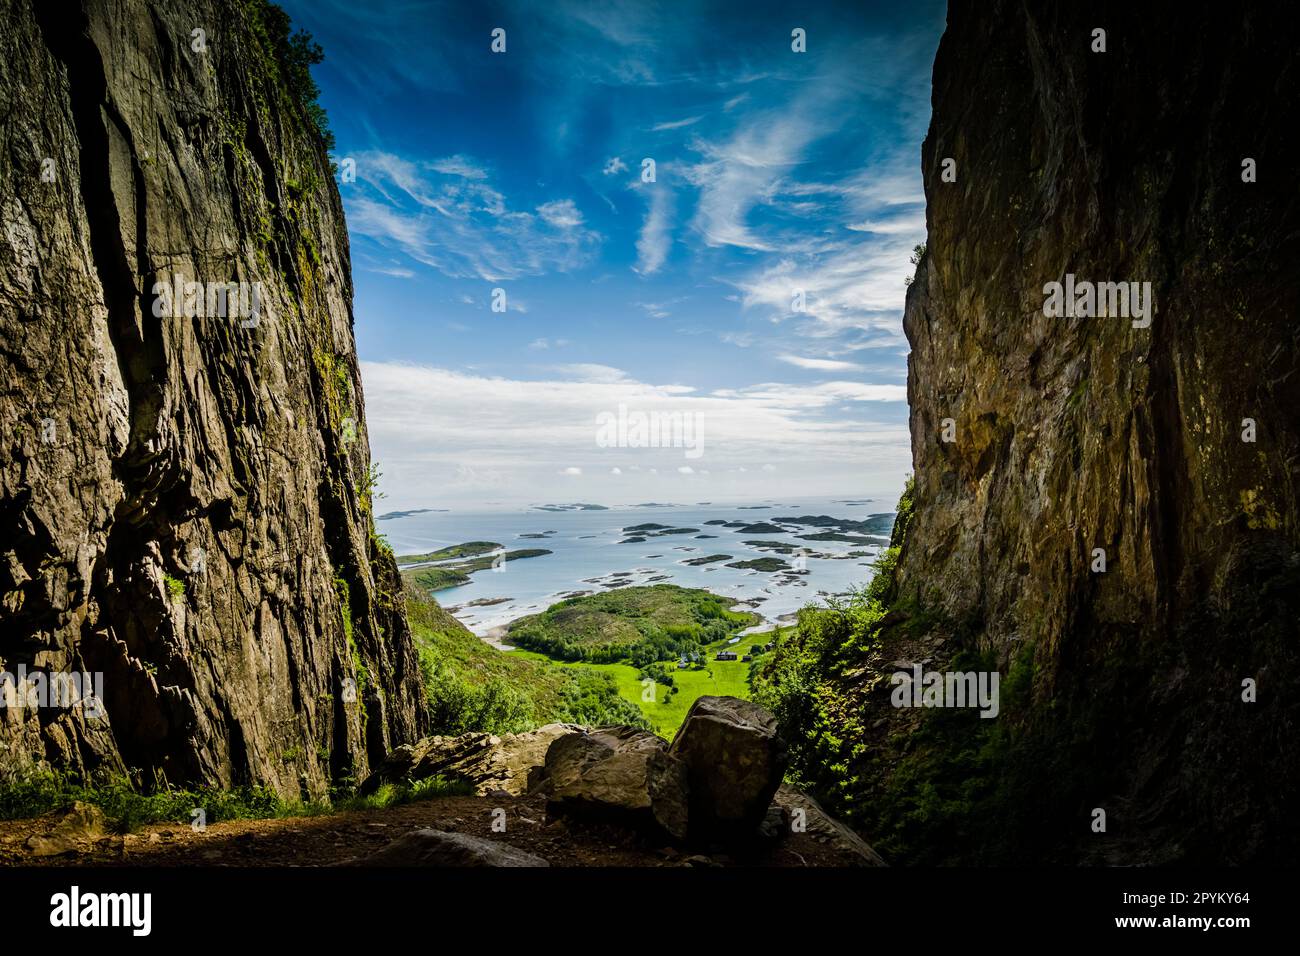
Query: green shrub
pixel 458 705
pixel 128 809
pixel 295 54
pixel 591 698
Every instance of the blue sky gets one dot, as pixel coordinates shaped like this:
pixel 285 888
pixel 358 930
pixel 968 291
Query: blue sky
pixel 775 172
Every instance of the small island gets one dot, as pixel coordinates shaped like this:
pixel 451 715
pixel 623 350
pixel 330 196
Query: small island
pixel 388 516
pixel 454 573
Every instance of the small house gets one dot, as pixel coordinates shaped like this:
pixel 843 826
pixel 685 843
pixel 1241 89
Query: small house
pixel 726 656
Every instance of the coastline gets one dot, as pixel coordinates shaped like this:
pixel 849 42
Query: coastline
pixel 494 636
pixel 817 546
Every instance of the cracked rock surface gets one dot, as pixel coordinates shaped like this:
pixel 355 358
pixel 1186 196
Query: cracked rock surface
pixel 1069 435
pixel 184 500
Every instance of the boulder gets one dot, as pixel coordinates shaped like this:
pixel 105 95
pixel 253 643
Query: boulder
pixel 439 848
pixel 801 810
pixel 509 763
pixel 619 774
pixel 79 828
pixel 734 762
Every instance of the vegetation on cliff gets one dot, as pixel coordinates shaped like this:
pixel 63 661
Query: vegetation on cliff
pixel 914 781
pixel 471 685
pixel 295 53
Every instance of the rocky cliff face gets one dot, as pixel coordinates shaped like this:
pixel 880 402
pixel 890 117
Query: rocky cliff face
pixel 1105 507
pixel 1038 440
pixel 184 498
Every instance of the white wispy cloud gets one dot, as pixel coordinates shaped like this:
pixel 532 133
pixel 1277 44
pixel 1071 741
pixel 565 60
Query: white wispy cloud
pixel 821 395
pixel 591 372
pixel 446 215
pixel 734 175
pixel 425 423
pixel 459 166
pixel 824 365
pixel 562 214
pixel 675 124
pixel 847 285
pixel 656 232
pixel 396 272
pixel 911 223
pixel 658 310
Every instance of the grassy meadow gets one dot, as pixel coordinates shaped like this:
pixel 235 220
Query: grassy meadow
pixel 667 707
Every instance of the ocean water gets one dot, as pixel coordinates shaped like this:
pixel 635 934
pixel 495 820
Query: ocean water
pixel 587 555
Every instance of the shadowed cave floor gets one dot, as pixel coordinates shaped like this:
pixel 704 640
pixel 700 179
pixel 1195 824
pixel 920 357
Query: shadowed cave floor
pixel 336 838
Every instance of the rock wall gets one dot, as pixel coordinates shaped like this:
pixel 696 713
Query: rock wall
pixel 184 500
pixel 1037 439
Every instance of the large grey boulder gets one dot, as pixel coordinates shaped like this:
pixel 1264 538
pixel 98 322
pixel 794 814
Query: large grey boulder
pixel 800 813
pixel 734 762
pixel 510 763
pixel 619 774
pixel 439 848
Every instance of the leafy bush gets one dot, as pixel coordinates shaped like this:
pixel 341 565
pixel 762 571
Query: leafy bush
pixel 395 794
pixel 128 809
pixel 457 704
pixel 591 698
pixel 295 54
pixel 660 673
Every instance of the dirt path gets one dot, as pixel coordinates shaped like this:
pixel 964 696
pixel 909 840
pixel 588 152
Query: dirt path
pixel 337 838
pixel 495 636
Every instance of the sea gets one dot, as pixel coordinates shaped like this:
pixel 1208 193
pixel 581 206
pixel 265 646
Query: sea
pixel 590 552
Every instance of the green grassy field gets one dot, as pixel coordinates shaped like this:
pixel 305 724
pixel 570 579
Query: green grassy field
pixel 473 686
pixel 667 710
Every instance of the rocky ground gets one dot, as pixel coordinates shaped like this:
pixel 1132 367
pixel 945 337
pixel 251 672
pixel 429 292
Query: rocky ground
pixel 351 836
pixel 562 795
